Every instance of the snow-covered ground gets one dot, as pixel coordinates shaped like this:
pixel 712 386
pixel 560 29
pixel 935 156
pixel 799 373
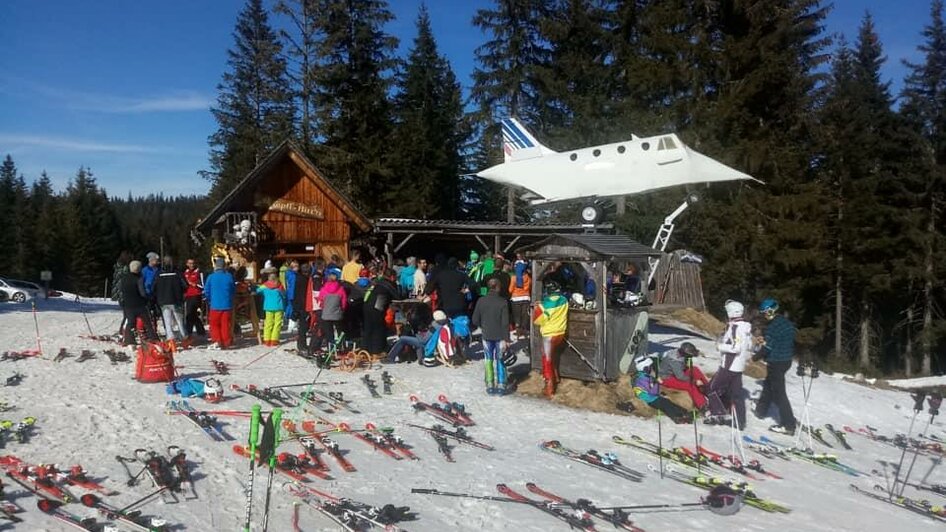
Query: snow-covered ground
pixel 88 413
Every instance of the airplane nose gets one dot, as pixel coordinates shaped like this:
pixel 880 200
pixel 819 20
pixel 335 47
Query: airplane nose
pixel 711 170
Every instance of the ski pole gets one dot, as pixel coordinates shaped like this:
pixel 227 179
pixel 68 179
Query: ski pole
pixel 277 419
pixel 39 345
pixel 660 442
pixel 696 437
pixel 918 398
pixel 254 436
pixel 144 499
pixel 934 401
pixel 82 310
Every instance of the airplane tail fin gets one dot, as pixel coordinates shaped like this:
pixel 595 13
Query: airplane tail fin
pixel 518 143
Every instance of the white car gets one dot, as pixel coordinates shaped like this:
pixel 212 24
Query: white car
pixel 19 291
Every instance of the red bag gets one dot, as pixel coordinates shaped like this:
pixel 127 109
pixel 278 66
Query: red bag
pixel 154 363
pixel 389 318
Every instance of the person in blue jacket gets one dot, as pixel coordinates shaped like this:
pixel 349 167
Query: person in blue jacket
pixel 778 349
pixel 274 301
pixel 219 289
pixel 149 274
pixel 290 290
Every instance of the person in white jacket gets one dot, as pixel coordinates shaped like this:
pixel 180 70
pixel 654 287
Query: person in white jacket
pixel 735 348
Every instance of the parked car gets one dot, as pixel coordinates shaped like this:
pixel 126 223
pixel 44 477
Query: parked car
pixel 4 297
pixel 19 291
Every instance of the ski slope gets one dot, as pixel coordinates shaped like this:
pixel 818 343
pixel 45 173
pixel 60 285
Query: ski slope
pixel 89 412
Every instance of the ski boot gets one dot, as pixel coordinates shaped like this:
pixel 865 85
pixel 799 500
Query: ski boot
pixel 782 430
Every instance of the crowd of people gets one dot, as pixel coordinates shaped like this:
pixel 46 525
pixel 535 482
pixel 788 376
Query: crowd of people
pixel 721 400
pixel 413 310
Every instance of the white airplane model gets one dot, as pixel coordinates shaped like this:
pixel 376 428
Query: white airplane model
pixel 620 169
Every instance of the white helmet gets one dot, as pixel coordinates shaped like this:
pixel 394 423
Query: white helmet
pixel 644 363
pixel 734 309
pixel 578 299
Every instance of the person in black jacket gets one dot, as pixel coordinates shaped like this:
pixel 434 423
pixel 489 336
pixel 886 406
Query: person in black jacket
pixel 303 294
pixel 451 286
pixel 169 295
pixel 491 315
pixel 135 304
pixel 377 303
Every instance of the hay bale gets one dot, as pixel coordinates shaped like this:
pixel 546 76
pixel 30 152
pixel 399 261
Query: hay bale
pixel 699 320
pixel 756 370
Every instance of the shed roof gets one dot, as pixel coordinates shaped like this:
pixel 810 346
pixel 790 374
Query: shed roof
pixel 411 224
pixel 289 149
pixel 602 245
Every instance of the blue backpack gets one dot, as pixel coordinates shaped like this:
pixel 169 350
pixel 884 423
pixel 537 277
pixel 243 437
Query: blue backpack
pixel 431 346
pixel 461 326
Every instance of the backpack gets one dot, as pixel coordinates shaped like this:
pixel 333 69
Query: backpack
pixel 430 348
pixel 461 326
pixel 154 363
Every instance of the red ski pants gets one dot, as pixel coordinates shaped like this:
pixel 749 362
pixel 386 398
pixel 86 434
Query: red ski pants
pixel 685 385
pixel 550 348
pixel 220 327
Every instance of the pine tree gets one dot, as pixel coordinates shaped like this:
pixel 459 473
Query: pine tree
pixel 47 241
pixel 924 107
pixel 91 235
pixel 301 52
pixel 8 200
pixel 506 82
pixel 355 58
pixel 254 106
pixel 22 227
pixel 429 118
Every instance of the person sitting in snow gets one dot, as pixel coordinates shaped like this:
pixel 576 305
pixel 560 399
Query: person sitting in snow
pixel 647 389
pixel 441 346
pixel 735 348
pixel 677 372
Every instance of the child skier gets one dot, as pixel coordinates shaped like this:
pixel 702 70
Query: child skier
pixel 491 315
pixel 735 347
pixel 274 303
pixel 647 389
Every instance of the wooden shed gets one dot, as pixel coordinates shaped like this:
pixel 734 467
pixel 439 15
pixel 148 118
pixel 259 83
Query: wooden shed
pixel 597 334
pixel 678 281
pixel 285 208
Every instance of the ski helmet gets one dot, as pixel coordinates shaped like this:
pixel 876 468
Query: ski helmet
pixel 687 349
pixel 552 287
pixel 723 500
pixel 644 363
pixel 734 309
pixel 768 307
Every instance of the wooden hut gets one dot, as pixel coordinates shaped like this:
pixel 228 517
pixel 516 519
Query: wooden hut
pixel 284 209
pixel 599 333
pixel 678 282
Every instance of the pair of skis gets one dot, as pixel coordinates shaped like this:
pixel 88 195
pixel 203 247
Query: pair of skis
pixel 459 435
pixel 710 482
pixel 129 520
pixel 348 514
pixel 607 462
pixel 444 410
pixel 826 461
pixel 206 422
pixel 920 507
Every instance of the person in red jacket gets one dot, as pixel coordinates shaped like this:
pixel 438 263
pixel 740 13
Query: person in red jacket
pixel 193 298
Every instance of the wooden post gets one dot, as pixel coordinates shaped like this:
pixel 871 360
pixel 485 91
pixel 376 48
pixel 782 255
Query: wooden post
pixel 497 244
pixel 389 248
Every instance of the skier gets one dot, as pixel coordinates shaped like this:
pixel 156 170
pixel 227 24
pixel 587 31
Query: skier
pixel 677 372
pixel 302 294
pixel 169 294
pixel 274 303
pixel 420 278
pixel 375 311
pixel 150 273
pixel 520 291
pixel 735 347
pixel 451 286
pixel 492 316
pixel 647 389
pixel 352 269
pixel 406 275
pixel 551 315
pixel 219 290
pixel 135 304
pixel 193 296
pixel 290 291
pixel 778 349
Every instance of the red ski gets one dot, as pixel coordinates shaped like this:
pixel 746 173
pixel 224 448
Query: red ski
pixel 19 472
pixel 752 464
pixel 295 475
pixel 456 409
pixel 581 521
pixel 312 457
pixel 719 461
pixel 330 446
pixel 619 521
pixel 437 411
pixel 391 440
pixel 378 446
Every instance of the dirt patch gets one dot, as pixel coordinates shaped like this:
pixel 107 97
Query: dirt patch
pixel 755 370
pixel 701 321
pixel 597 396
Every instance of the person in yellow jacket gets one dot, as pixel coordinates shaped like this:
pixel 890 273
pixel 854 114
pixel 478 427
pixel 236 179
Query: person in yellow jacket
pixel 551 316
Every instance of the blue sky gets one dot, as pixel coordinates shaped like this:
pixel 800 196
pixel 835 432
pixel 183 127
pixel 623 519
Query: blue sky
pixel 125 87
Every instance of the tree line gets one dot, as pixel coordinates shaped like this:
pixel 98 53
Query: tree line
pixel 846 231
pixel 79 233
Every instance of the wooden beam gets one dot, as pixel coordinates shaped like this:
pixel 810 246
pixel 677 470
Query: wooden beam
pixel 511 244
pixel 481 241
pixel 405 241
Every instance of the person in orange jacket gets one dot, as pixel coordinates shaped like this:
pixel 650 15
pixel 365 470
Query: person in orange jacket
pixel 520 294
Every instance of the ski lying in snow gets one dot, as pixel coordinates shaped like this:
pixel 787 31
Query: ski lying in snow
pixel 582 521
pixel 41 487
pixel 271 397
pixel 372 386
pixel 825 460
pixel 816 434
pixel 618 518
pixel 387 382
pixel 54 509
pixel 203 422
pixel 838 435
pixel 130 520
pixel 285 468
pixel 918 507
pixel 456 409
pixel 753 465
pixel 459 435
pixel 178 460
pixel 899 441
pixel 719 461
pixel 639 444
pixel 330 446
pixel 443 446
pixel 312 455
pixel 386 436
pixel 376 444
pixel 607 462
pixel 312 399
pixel 709 482
pixel 336 399
pixel 437 411
pixel 203 418
pixel 352 515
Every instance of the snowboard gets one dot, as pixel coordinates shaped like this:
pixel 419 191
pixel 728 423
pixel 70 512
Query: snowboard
pixel 637 347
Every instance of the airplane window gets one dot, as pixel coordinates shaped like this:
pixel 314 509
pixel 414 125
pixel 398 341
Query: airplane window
pixel 596 153
pixel 573 156
pixel 670 144
pixel 645 146
pixel 661 145
pixel 621 149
